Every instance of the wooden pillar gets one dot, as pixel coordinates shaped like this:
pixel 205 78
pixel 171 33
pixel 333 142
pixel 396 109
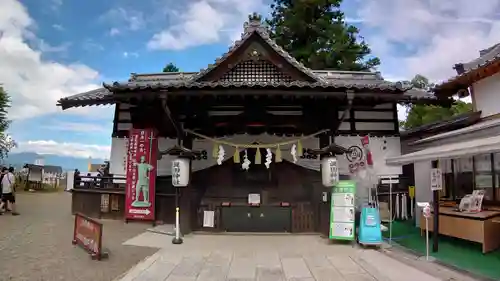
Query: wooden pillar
pixel 185 199
pixel 324 207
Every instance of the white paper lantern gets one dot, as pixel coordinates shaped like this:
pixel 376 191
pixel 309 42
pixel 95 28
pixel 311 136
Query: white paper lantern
pixel 329 171
pixel 180 172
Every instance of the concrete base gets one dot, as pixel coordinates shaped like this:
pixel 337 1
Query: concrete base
pixel 427 259
pixel 177 241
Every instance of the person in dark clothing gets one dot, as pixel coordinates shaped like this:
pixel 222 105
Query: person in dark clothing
pixel 77 178
pixel 87 180
pixel 97 181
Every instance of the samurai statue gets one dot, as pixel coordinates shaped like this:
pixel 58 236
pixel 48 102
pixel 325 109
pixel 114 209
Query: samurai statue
pixel 142 184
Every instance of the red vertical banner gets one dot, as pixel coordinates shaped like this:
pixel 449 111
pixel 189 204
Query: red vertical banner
pixel 141 175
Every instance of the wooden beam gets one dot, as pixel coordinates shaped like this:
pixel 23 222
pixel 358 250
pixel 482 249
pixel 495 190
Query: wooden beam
pixel 115 121
pixel 175 123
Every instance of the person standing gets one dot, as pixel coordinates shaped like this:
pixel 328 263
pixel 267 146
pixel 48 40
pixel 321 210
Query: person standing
pixel 8 196
pixel 2 175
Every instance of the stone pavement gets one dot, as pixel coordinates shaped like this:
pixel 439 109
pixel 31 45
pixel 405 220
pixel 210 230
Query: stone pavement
pixel 265 258
pixel 36 246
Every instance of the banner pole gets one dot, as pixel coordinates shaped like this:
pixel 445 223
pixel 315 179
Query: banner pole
pixel 390 205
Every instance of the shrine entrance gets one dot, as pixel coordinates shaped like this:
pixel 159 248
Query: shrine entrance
pixel 278 198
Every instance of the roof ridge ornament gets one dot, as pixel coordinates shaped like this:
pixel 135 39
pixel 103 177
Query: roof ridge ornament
pixel 254 23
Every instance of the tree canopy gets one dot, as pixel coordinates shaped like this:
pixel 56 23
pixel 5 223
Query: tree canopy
pixel 418 115
pixel 316 34
pixel 6 142
pixel 170 67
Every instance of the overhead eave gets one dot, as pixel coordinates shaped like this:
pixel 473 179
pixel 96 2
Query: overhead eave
pixel 464 80
pixel 99 96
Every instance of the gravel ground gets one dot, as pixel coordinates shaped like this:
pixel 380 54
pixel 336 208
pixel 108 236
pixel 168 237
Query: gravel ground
pixel 36 245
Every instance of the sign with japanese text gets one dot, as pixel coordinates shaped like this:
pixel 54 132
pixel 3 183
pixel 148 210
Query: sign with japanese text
pixel 141 175
pixel 436 179
pixel 87 233
pixel 329 171
pixel 180 172
pixel 342 212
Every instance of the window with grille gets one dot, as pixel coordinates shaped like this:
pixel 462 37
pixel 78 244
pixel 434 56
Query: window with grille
pixel 255 71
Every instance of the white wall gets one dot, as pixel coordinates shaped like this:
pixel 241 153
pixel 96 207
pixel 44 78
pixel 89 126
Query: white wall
pixel 392 148
pixel 70 180
pixel 380 152
pixel 486 95
pixel 423 191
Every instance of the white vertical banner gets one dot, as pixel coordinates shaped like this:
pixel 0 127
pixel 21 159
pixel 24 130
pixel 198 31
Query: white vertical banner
pixel 436 179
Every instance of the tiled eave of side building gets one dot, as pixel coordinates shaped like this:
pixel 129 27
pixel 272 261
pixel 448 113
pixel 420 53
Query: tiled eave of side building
pixel 332 83
pixel 438 127
pixel 487 64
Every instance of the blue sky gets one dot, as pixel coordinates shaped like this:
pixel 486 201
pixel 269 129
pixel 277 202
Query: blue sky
pixel 54 48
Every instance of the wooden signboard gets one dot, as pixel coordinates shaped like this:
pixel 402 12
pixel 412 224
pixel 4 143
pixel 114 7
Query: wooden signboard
pixel 87 234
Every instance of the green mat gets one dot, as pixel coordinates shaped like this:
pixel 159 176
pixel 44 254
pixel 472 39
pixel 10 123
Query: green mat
pixel 459 253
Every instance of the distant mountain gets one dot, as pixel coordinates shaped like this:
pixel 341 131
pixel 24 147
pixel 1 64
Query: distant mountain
pixel 66 162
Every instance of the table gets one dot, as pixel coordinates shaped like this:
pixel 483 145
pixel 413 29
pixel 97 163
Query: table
pixel 482 227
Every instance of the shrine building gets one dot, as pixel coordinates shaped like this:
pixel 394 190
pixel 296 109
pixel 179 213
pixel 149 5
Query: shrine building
pixel 258 118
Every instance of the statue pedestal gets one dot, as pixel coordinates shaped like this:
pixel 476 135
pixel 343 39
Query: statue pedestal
pixel 141 204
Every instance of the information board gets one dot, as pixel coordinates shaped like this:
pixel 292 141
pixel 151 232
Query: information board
pixel 342 211
pixel 87 233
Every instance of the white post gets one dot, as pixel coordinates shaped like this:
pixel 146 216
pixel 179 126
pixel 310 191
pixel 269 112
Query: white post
pixel 390 208
pixel 177 224
pixel 426 211
pixel 426 238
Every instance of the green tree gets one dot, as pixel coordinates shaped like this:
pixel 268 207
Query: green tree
pixel 418 114
pixel 170 68
pixel 316 34
pixel 6 142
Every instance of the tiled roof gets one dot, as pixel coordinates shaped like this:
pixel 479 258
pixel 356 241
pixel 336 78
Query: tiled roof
pixel 487 57
pixel 469 129
pixel 455 122
pixel 254 27
pixel 99 96
pixel 344 80
pixel 356 80
pixel 330 84
pixel 46 168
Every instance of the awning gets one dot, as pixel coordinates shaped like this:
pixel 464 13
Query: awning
pixel 449 151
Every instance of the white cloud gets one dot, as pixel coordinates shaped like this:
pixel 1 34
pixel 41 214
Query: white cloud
pixel 58 27
pixel 114 31
pixel 78 150
pixel 438 33
pixel 91 46
pixel 204 22
pixel 131 19
pixel 45 47
pixel 34 83
pixel 130 55
pixel 56 4
pixel 78 127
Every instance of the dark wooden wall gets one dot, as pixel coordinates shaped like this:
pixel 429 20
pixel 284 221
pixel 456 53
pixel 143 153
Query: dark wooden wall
pixel 283 182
